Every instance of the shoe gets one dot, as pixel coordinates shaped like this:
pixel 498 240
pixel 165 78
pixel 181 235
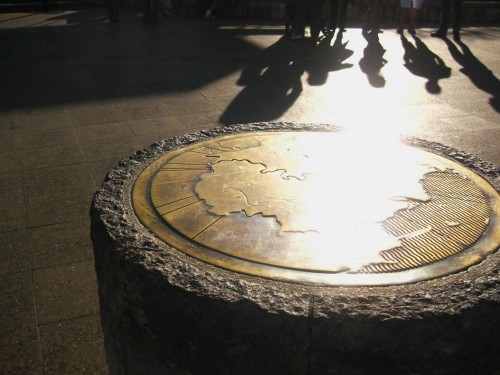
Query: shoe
pixel 411 31
pixel 456 36
pixel 400 30
pixel 439 34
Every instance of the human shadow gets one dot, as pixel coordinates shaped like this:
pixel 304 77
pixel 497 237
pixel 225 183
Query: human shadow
pixel 482 77
pixel 373 60
pixel 422 62
pixel 273 82
pixel 328 58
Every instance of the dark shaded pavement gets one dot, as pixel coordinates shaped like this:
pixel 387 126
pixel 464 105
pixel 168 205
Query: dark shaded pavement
pixel 78 94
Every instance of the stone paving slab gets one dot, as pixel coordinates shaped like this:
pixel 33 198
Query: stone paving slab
pixel 78 94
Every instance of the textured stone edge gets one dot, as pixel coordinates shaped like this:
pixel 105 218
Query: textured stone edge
pixel 450 295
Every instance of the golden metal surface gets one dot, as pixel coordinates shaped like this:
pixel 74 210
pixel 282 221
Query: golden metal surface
pixel 314 207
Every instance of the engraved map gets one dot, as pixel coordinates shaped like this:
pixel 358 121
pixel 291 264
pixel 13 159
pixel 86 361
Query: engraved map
pixel 319 202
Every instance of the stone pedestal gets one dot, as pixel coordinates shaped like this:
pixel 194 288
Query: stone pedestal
pixel 165 311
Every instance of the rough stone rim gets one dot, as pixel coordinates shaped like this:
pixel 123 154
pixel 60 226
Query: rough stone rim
pixel 447 295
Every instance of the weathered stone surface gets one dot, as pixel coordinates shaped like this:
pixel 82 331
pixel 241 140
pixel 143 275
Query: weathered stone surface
pixel 165 312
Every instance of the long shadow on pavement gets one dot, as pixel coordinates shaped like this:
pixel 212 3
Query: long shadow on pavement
pixel 373 60
pixel 274 81
pixel 422 62
pixel 482 77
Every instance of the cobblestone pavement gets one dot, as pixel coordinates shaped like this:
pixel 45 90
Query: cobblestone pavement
pixel 78 94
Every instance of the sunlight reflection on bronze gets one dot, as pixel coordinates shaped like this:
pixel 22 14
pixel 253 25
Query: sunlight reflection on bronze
pixel 315 207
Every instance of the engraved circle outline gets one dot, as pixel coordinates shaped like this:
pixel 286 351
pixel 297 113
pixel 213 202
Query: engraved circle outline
pixel 487 244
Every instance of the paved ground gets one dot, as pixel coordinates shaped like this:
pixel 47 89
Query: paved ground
pixel 78 94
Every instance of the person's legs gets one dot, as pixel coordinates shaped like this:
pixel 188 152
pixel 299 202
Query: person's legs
pixel 413 20
pixel 315 17
pixel 335 9
pixel 445 16
pixel 342 14
pixel 445 20
pixel 415 10
pixel 377 8
pixel 374 14
pixel 403 15
pixel 368 19
pixel 300 18
pixel 368 23
pixel 457 21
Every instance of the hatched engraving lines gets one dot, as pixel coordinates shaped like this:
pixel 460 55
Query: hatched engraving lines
pixel 455 217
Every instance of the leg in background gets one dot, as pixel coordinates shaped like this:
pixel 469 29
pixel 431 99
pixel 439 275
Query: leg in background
pixel 445 20
pixel 343 14
pixel 457 20
pixel 300 18
pixel 315 17
pixel 403 15
pixel 413 19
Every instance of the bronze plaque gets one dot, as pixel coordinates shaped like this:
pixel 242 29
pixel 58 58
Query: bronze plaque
pixel 320 208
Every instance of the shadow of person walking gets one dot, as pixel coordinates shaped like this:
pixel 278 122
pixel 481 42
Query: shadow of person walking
pixel 327 58
pixel 271 85
pixel 422 62
pixel 373 60
pixel 273 82
pixel 482 77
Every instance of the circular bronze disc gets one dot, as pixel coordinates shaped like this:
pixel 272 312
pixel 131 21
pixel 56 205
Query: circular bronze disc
pixel 319 207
